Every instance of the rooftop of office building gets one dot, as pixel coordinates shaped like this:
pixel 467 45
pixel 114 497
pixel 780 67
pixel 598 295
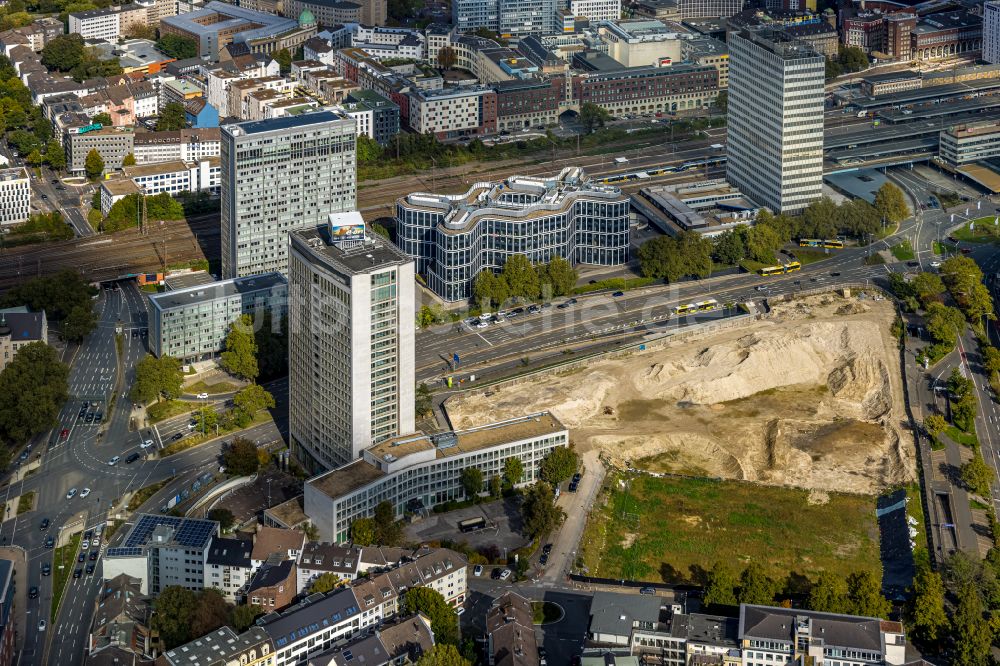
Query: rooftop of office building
pixel 549 195
pixel 973 129
pixel 372 253
pixel 15 173
pixel 361 472
pixel 165 531
pixel 779 42
pixel 202 293
pixel 285 123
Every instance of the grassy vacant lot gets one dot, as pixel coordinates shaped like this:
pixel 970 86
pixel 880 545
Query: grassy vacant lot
pixel 807 256
pixel 673 529
pixel 159 411
pixel 211 389
pixel 903 251
pixel 962 437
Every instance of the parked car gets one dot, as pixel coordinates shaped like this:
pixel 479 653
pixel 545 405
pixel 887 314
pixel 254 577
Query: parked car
pixel 202 396
pixel 146 444
pixel 618 293
pixel 84 492
pixel 543 559
pixel 177 435
pixel 132 458
pixel 71 493
pixel 114 461
pixel 647 590
pixel 478 571
pixel 547 548
pixel 505 574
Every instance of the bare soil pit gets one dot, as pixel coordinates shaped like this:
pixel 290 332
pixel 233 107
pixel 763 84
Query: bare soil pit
pixel 810 397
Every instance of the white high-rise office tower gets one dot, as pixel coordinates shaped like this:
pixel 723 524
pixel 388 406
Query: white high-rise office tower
pixel 351 334
pixel 775 128
pixel 278 175
pixel 991 31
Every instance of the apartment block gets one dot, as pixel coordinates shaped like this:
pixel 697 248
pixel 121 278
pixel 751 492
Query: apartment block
pixel 15 196
pixel 351 346
pixel 103 24
pixel 452 112
pixel 228 568
pixel 176 176
pixel 417 472
pixel 20 327
pixel 376 117
pixel 192 323
pixel 279 175
pixel 775 148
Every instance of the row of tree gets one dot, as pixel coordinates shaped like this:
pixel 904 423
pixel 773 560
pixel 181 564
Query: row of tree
pixel 65 298
pixel 69 53
pixel 35 385
pixel 256 352
pixel 124 213
pixel 26 126
pixel 181 615
pixel 859 594
pixel 521 281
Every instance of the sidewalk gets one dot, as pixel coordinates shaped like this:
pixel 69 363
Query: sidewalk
pixel 20 617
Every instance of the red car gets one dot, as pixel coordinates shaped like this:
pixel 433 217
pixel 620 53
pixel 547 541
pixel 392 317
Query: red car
pixel 64 434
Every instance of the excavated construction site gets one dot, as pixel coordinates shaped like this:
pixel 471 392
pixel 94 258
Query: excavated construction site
pixel 809 397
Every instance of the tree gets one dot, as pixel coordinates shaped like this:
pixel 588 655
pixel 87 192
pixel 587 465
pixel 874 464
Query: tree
pixel 991 359
pixel 820 219
pixel 240 457
pixel 833 69
pixel 156 378
pixel 430 602
pixel 35 386
pixel 944 324
pixel 284 59
pixel 93 165
pixel 252 399
pixel 80 321
pixel 471 479
pixel 224 517
pixel 963 412
pixel 970 630
pixel 368 150
pixel 496 486
pixel 173 609
pixel 672 258
pixel 244 616
pixel 177 47
pixel 363 532
pixel 538 510
pixel 864 595
pixel 513 471
pixel 756 587
pixel 64 52
pixel 486 289
pixel 928 287
pixel 852 59
pixel 890 203
pixel 424 405
pixel 387 530
pixel 443 654
pixel 128 160
pixel 964 280
pixel 140 31
pixel 559 275
pixel 55 155
pixel 57 294
pixel 520 276
pixel 103 118
pixel 446 57
pixel 325 583
pixel 729 248
pixel 34 158
pixel 721 586
pixel 935 424
pixel 928 620
pixel 977 476
pixel 210 613
pixel 828 595
pixel 171 117
pixel 559 465
pixel 240 357
pixel 593 116
pixel 722 101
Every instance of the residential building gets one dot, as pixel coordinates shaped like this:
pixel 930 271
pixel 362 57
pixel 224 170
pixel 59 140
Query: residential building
pixel 111 143
pixel 121 622
pixel 192 323
pixel 228 567
pixel 991 31
pixel 199 113
pixel 510 632
pixel 273 585
pixel 216 25
pixel 114 190
pixel 351 354
pixel 780 635
pixel 775 119
pixel 275 541
pixel 376 117
pixel 103 24
pixel 186 145
pixel 962 144
pixel 596 10
pixel 529 102
pixel 330 13
pixel 402 641
pixel 417 472
pixel 15 196
pixel 453 112
pixel 319 559
pixel 508 18
pixel 20 327
pixel 162 551
pixel 711 52
pixel 8 631
pixel 645 90
pixel 568 216
pixel 279 175
pixel 254 647
pixel 614 616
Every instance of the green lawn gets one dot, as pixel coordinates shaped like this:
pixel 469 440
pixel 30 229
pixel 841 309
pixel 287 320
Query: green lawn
pixel 903 251
pixel 65 557
pixel 195 439
pixel 144 494
pixel 943 248
pixel 810 256
pixel 962 437
pixel 674 529
pixel 984 231
pixel 211 389
pixel 544 612
pixel 159 411
pixel 915 508
pixel 26 502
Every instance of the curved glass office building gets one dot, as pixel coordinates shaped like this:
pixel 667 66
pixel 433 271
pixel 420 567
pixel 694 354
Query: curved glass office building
pixel 454 236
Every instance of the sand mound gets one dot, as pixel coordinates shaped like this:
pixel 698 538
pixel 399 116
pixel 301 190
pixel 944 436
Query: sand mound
pixel 806 398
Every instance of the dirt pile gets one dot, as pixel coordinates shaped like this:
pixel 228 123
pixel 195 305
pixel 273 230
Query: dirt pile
pixel 810 397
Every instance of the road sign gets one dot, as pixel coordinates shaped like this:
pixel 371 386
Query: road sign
pixel 455 358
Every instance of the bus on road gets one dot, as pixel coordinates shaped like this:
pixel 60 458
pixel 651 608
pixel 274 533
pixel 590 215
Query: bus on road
pixel 790 267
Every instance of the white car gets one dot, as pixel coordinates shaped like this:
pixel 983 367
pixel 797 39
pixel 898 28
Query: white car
pixel 202 396
pixel 41 625
pixel 505 574
pixel 148 443
pixel 935 264
pixel 478 571
pixel 459 610
pixel 114 461
pixel 84 492
pixel 483 324
pixel 71 494
pixel 85 544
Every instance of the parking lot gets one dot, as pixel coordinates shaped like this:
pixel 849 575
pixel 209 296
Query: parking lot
pixel 503 529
